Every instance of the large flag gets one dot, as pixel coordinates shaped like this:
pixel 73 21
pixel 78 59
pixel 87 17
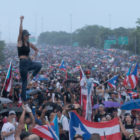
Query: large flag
pixel 133 78
pixel 133 94
pixel 113 81
pixel 75 69
pixel 8 80
pixel 62 66
pixel 45 131
pixel 126 80
pixel 107 130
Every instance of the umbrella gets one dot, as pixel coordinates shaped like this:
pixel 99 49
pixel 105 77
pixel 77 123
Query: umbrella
pixel 43 79
pixel 4 111
pixel 133 104
pixel 5 100
pixel 96 106
pixel 109 104
pixel 16 109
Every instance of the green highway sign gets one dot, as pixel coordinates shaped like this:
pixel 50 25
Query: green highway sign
pixel 123 40
pixel 32 39
pixel 75 44
pixel 108 43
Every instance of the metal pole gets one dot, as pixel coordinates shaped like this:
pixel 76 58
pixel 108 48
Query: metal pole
pixel 135 45
pixel 71 27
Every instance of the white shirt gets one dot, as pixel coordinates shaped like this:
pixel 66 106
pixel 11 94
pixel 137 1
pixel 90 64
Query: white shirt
pixel 7 127
pixel 64 121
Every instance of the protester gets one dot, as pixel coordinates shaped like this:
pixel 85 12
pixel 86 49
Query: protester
pixel 26 64
pixel 53 93
pixel 8 129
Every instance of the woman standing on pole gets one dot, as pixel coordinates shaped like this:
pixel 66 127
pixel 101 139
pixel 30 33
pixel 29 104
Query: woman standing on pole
pixel 26 64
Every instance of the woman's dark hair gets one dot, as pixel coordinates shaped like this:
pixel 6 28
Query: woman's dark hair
pixel 22 36
pixel 24 135
pixel 78 136
pixel 130 117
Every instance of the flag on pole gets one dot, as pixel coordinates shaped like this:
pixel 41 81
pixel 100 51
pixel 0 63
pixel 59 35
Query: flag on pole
pixel 113 81
pixel 45 131
pixel 8 80
pixel 19 101
pixel 63 68
pixel 133 94
pixel 133 78
pixel 126 80
pixel 107 130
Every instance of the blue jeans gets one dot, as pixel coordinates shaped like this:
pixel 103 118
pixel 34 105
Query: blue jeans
pixel 25 66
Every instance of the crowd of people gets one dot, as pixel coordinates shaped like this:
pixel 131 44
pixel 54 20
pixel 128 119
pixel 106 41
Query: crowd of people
pixel 54 91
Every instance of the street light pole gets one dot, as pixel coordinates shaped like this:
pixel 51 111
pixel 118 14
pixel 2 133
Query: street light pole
pixel 71 27
pixel 135 45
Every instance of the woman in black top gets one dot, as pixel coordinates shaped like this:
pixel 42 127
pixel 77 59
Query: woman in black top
pixel 26 64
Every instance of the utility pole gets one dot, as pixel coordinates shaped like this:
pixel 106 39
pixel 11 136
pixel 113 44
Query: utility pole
pixel 71 28
pixel 109 20
pixel 0 35
pixel 135 45
pixel 42 25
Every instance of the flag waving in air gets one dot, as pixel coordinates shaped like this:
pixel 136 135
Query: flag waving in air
pixel 8 82
pixel 113 81
pixel 126 80
pixel 62 66
pixel 133 78
pixel 133 94
pixel 45 131
pixel 107 130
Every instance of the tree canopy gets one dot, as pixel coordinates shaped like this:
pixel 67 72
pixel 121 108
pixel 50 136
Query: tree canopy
pixel 95 36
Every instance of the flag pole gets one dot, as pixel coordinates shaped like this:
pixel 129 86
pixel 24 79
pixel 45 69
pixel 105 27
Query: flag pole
pixel 5 79
pixel 82 71
pixel 104 135
pixel 105 81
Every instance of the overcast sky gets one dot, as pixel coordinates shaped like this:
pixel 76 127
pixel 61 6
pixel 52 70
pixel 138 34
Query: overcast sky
pixel 56 15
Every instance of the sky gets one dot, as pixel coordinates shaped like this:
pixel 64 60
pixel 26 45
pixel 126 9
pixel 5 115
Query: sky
pixel 64 15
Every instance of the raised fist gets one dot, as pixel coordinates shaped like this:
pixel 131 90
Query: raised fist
pixel 22 17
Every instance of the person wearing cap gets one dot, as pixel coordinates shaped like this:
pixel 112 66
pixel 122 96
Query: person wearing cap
pixel 86 84
pixel 101 113
pixel 26 63
pixel 8 129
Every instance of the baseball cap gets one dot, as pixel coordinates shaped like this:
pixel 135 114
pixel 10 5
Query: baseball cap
pixel 12 112
pixel 25 32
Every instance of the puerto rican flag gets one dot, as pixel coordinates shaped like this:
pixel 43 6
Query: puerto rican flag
pixel 107 130
pixel 62 66
pixel 113 81
pixel 19 101
pixel 8 80
pixel 45 131
pixel 126 80
pixel 133 78
pixel 133 94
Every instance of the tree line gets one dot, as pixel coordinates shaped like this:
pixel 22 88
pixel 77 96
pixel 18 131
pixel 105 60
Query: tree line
pixel 95 36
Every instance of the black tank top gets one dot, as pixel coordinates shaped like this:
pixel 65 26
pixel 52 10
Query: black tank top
pixel 24 50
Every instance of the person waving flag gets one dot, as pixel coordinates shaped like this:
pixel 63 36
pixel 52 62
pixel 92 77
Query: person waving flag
pixel 113 81
pixel 133 78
